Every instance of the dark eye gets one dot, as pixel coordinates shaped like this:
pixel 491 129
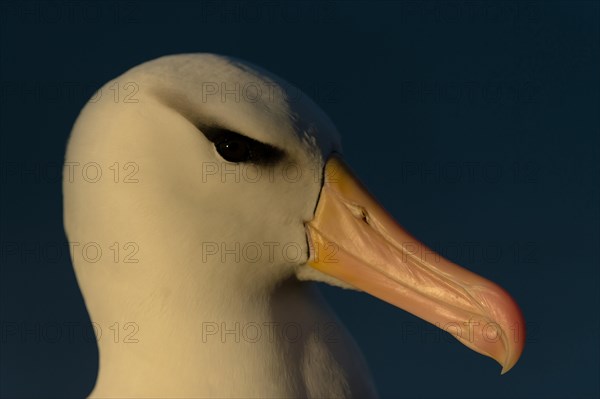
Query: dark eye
pixel 234 147
pixel 234 150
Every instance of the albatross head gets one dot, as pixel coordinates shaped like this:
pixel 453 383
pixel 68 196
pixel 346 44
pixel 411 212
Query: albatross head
pixel 202 184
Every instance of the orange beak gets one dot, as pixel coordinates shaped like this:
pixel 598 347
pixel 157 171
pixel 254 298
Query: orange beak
pixel 376 255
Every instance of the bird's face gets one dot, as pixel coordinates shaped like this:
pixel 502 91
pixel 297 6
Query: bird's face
pixel 229 160
pixel 241 179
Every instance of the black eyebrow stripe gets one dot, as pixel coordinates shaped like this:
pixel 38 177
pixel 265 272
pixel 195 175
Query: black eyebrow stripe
pixel 262 153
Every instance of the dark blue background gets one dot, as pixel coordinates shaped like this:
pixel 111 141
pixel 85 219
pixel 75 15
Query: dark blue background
pixel 475 123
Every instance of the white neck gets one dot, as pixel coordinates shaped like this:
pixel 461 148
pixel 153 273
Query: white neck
pixel 285 344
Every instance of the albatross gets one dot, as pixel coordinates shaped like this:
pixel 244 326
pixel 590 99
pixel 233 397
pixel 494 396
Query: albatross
pixel 210 197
